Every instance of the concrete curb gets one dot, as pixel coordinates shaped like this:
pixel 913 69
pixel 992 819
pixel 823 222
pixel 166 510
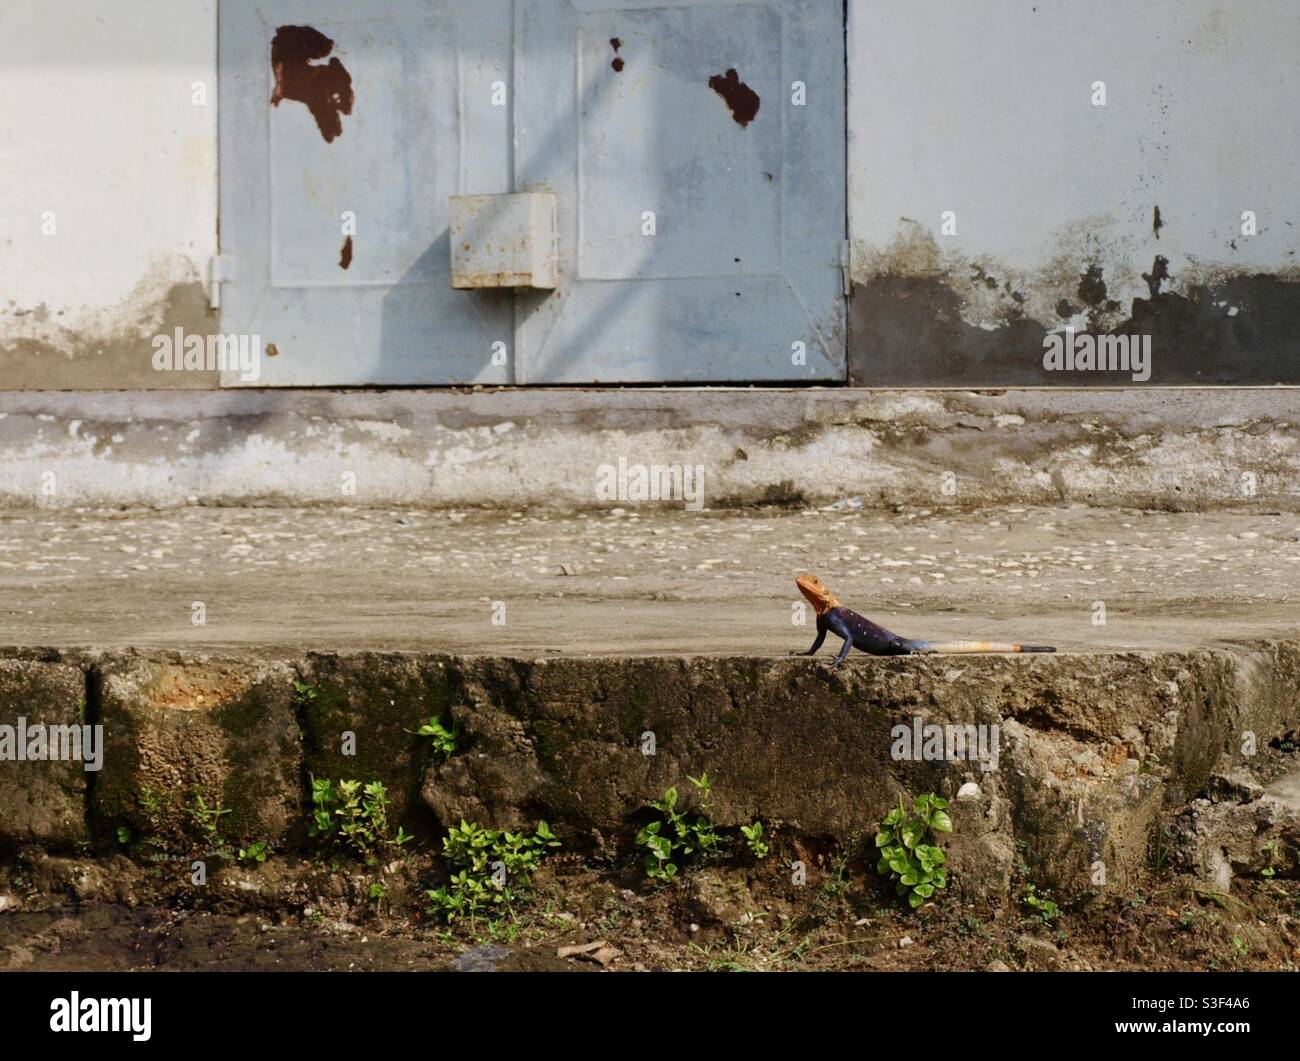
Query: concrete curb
pixel 1176 449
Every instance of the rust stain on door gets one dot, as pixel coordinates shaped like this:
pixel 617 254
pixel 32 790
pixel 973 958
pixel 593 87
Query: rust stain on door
pixel 326 88
pixel 742 100
pixel 345 258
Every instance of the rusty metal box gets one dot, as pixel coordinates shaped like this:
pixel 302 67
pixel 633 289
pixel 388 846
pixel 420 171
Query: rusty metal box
pixel 503 240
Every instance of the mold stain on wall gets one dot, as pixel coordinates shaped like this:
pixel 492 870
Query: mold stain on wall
pixel 924 316
pixel 106 348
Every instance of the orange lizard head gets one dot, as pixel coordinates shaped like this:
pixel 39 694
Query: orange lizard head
pixel 812 587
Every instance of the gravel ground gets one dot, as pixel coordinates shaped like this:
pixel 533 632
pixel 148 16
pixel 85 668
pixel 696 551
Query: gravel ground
pixel 641 581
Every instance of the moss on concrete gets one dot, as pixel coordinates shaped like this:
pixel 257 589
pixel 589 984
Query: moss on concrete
pixel 380 700
pixel 42 802
pixel 175 729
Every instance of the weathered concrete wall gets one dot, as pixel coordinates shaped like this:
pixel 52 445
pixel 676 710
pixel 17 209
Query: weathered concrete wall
pixel 108 167
pixel 1192 448
pixel 1124 218
pixel 1089 751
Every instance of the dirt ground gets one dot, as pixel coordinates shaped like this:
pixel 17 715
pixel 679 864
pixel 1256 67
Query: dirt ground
pixel 641 581
pixel 846 920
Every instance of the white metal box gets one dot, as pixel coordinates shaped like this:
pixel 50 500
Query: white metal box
pixel 503 240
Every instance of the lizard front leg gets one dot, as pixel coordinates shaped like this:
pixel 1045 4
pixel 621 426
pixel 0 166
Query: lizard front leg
pixel 821 636
pixel 835 621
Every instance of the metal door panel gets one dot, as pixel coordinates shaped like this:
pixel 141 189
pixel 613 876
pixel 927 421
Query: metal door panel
pixel 423 127
pixel 615 114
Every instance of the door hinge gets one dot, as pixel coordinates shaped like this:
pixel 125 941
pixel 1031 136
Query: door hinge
pixel 218 274
pixel 846 261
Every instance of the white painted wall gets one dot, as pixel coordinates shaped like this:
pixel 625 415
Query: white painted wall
pixel 983 107
pixel 98 125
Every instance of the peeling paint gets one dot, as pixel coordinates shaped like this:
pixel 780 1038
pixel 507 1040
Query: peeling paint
pixel 742 101
pixel 299 76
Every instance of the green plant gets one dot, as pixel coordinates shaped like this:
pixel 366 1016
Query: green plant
pixel 915 865
pixel 1240 950
pixel 378 890
pixel 443 738
pixel 303 693
pixel 147 800
pixel 353 815
pixel 753 835
pixel 208 819
pixel 703 785
pixel 1270 849
pixel 675 834
pixel 255 852
pixel 123 834
pixel 1047 910
pixel 491 868
pixel 706 835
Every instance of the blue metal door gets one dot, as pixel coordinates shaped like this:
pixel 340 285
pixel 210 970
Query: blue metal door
pixel 346 126
pixel 695 149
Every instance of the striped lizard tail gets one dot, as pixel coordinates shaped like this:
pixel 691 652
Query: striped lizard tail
pixel 923 647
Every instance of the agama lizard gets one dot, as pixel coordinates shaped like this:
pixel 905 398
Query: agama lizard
pixel 865 635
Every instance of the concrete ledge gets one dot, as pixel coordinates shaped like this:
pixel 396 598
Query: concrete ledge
pixel 1152 448
pixel 1088 752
